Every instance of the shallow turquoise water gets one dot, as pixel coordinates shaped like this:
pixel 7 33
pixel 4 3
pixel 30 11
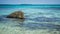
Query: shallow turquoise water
pixel 38 20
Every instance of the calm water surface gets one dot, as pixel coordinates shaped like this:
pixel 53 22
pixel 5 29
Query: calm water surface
pixel 37 21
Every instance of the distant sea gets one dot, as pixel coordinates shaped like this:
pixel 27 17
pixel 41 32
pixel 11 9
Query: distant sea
pixel 39 19
pixel 29 5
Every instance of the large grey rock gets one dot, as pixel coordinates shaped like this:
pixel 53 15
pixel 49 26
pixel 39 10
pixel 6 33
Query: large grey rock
pixel 17 14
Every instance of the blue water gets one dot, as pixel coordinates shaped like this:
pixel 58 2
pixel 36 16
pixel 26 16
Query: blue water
pixel 36 17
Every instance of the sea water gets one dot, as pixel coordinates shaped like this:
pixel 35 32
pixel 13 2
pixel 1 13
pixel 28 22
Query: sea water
pixel 39 19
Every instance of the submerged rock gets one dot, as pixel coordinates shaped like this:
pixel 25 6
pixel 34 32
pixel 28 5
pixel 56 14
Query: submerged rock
pixel 17 14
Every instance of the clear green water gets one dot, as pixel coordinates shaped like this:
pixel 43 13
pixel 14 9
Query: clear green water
pixel 38 20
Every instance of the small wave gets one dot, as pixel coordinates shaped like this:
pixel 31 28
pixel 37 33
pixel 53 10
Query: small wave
pixel 34 26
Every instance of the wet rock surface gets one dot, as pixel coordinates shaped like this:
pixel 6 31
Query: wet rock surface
pixel 17 14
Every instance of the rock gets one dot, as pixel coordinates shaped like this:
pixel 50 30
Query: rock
pixel 17 14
